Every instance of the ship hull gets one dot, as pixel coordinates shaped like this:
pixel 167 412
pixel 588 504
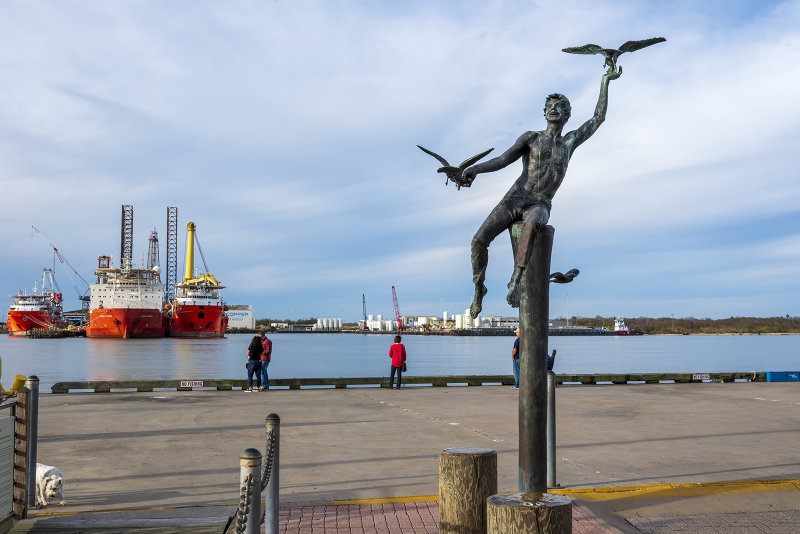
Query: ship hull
pixel 190 320
pixel 19 322
pixel 125 323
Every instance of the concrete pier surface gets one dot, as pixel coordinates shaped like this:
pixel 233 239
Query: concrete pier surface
pixel 638 458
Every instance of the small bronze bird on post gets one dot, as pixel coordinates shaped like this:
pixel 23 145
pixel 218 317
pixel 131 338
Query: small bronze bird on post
pixel 612 54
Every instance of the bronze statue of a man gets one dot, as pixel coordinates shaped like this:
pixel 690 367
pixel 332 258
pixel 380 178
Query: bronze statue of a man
pixel 545 155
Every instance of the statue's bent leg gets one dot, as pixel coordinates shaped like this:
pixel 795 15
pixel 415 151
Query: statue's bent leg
pixel 496 223
pixel 534 219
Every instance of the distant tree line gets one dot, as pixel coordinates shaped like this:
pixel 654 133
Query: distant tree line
pixel 267 321
pixel 690 325
pixel 651 325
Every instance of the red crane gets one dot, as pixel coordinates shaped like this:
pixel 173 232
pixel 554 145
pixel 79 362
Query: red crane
pixel 397 311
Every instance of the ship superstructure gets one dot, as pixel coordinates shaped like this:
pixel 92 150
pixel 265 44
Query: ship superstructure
pixel 197 309
pixel 126 302
pixel 621 329
pixel 41 309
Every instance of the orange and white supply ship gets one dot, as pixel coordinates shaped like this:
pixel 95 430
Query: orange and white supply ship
pixel 40 309
pixel 198 310
pixel 125 302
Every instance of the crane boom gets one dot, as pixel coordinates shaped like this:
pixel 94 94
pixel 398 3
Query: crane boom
pixel 82 296
pixel 397 311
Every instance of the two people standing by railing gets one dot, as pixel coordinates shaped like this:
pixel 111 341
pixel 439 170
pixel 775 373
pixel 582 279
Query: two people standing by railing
pixel 259 354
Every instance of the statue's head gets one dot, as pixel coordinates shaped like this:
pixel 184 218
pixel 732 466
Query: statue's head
pixel 559 104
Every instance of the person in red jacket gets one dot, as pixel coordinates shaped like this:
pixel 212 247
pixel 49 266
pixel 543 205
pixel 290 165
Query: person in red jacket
pixel 397 352
pixel 266 357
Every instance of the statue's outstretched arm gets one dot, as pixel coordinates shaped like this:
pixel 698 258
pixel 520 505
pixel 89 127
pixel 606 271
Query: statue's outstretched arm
pixel 590 127
pixel 503 160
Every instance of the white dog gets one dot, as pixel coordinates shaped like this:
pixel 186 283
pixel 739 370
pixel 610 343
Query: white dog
pixel 49 485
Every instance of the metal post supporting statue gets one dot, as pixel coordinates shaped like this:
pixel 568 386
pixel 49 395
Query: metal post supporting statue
pixel 524 211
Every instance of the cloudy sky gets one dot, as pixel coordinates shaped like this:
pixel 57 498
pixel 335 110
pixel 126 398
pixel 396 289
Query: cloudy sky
pixel 286 131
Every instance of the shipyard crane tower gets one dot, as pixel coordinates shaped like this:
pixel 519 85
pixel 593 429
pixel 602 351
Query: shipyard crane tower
pixel 172 252
pixel 397 311
pixel 126 239
pixel 153 260
pixel 364 306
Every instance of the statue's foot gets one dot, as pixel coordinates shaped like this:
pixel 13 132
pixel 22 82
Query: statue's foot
pixel 513 297
pixel 513 288
pixel 477 301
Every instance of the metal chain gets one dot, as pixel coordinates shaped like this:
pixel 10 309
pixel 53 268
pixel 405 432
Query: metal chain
pixel 244 504
pixel 270 454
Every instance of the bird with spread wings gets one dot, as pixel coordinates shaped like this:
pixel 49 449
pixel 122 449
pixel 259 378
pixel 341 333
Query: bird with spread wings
pixel 612 54
pixel 455 173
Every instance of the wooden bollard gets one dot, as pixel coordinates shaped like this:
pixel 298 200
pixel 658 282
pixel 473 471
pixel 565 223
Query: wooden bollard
pixel 529 513
pixel 467 477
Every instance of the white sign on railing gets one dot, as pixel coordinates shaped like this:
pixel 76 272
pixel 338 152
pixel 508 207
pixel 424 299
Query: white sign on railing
pixel 6 466
pixel 701 376
pixel 191 383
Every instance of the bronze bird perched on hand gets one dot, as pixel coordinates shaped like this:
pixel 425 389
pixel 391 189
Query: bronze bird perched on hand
pixel 611 54
pixel 455 173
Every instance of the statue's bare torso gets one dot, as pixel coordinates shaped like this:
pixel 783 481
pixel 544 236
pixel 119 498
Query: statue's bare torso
pixel 544 165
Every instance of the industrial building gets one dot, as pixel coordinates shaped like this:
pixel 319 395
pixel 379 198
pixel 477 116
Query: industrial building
pixel 437 323
pixel 240 316
pixel 328 324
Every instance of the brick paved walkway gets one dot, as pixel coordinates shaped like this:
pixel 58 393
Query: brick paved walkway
pixel 741 523
pixel 392 518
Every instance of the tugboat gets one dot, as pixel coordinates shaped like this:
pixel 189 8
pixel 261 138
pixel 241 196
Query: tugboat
pixel 37 310
pixel 620 329
pixel 198 309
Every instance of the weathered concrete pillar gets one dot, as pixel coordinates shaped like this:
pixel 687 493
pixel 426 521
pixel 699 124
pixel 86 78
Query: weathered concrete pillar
pixel 529 513
pixel 551 430
pixel 249 514
pixel 272 489
pixel 32 383
pixel 467 477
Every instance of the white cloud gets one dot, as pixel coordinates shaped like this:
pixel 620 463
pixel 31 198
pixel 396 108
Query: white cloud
pixel 287 132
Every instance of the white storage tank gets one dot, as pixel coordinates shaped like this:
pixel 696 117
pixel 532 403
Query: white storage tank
pixel 459 321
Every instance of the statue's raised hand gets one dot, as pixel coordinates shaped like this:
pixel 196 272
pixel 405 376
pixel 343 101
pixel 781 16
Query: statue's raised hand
pixel 613 73
pixel 468 176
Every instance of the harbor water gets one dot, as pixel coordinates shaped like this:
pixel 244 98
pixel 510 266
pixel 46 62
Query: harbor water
pixel 360 355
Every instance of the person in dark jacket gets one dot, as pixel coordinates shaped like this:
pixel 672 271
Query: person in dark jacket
pixel 254 360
